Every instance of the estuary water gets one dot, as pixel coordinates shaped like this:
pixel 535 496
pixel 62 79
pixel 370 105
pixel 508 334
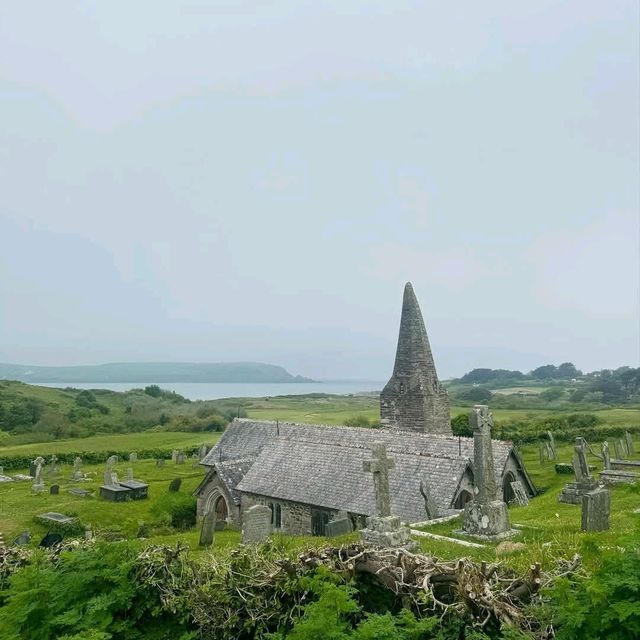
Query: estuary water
pixel 216 390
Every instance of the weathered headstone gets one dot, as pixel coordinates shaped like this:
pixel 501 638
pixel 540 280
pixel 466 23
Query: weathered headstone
pixel 32 468
pixel 256 524
pixel 88 533
pixel 83 493
pixel 629 441
pixel 129 473
pixel 486 515
pixel 596 506
pixel 338 527
pixel 23 538
pixel 542 450
pixel 174 485
pixel 606 457
pixel 430 508
pixel 174 455
pixel 572 493
pixel 383 529
pixel 54 489
pixel 181 458
pixel 53 466
pixel 616 450
pixel 207 532
pixel 202 452
pixel 160 462
pixel 111 462
pixel 520 495
pixel 110 478
pixel 133 456
pixel 549 451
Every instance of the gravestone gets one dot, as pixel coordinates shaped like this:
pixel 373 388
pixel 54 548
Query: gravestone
pixel 174 485
pixel 32 469
pixel 549 451
pixel 138 490
pixel 552 445
pixel 50 540
pixel 629 441
pixel 52 517
pixel 624 448
pixel 521 497
pixel 616 450
pixel 53 469
pixel 338 527
pixel 88 533
pixel 77 473
pixel 111 462
pixel 383 530
pixel 174 455
pixel 202 452
pixel 606 457
pixel 38 482
pixel 181 458
pixel 129 473
pixel 110 478
pixel 133 457
pixel 486 515
pixel 23 538
pixel 430 507
pixel 54 490
pixel 542 451
pixel 208 528
pixel 160 462
pixel 115 492
pixel 256 524
pixel 572 493
pixel 596 506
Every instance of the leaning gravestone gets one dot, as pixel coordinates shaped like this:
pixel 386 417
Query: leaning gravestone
pixel 54 490
pixel 338 527
pixel 50 540
pixel 256 524
pixel 552 445
pixel 430 507
pixel 208 528
pixel 606 457
pixel 616 450
pixel 174 485
pixel 629 441
pixel 521 497
pixel 596 506
pixel 202 452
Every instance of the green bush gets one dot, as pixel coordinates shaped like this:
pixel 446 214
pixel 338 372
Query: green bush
pixel 177 509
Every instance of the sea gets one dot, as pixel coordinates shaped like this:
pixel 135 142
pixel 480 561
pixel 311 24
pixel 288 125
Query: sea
pixel 217 390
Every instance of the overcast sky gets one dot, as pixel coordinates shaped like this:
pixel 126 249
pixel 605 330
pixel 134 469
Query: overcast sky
pixel 238 180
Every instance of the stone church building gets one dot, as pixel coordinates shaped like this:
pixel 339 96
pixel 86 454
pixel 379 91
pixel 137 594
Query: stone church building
pixel 310 475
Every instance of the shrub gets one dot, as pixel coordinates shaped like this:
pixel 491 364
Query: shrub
pixel 357 421
pixel 177 508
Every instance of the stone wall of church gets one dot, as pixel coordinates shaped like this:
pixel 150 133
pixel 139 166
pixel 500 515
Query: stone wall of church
pixel 295 518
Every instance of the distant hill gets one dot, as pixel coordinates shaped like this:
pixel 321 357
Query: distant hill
pixel 152 372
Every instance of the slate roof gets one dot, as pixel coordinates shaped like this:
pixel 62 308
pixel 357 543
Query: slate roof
pixel 322 465
pixel 332 476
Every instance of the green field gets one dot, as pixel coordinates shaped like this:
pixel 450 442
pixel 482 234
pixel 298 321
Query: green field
pixel 331 409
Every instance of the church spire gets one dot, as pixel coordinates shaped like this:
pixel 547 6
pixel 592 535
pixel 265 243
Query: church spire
pixel 413 353
pixel 414 399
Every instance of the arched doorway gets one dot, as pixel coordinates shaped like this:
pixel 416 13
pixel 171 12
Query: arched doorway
pixel 463 498
pixel 220 507
pixel 507 491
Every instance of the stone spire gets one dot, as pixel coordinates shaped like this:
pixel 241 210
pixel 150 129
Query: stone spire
pixel 414 399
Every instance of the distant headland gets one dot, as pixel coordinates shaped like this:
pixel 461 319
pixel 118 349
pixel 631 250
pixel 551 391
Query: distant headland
pixel 153 372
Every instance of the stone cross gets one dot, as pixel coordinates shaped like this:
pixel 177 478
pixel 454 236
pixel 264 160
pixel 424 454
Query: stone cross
pixel 111 462
pixel 38 482
pixel 481 422
pixel 580 464
pixel 606 457
pixel 77 462
pixel 380 466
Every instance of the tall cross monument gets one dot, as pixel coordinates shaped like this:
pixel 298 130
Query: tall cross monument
pixel 380 466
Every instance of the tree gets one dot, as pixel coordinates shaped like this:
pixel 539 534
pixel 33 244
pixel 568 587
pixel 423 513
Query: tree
pixel 153 390
pixel 567 370
pixel 475 394
pixel 545 372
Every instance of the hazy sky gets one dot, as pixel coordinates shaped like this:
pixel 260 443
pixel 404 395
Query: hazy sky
pixel 241 180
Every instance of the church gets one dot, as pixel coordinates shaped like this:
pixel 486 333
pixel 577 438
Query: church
pixel 311 475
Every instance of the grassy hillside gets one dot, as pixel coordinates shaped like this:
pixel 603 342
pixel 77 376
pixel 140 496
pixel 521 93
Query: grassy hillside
pixel 30 413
